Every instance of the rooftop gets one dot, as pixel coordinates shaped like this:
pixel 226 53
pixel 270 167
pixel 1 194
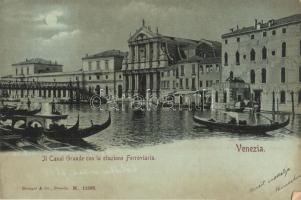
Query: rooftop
pixel 37 61
pixel 258 26
pixel 106 54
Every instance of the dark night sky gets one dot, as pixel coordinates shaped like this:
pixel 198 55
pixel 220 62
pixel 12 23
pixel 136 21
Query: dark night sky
pixel 66 30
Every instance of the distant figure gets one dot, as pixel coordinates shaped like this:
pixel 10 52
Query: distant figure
pixel 92 123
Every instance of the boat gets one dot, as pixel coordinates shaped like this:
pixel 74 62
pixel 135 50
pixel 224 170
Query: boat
pixel 9 111
pixel 235 109
pixel 61 133
pixel 240 127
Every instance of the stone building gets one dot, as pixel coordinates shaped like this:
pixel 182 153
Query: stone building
pixel 155 60
pixel 267 56
pixel 39 78
pixel 102 71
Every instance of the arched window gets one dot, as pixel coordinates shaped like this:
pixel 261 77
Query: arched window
pixel 252 76
pixel 282 75
pixel 252 55
pixel 263 75
pixel 231 75
pixel 237 58
pixel 282 97
pixel 225 97
pixel 264 53
pixel 226 59
pixel 283 49
pixel 299 96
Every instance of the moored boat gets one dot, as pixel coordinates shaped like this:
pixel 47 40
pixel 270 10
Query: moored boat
pixel 241 127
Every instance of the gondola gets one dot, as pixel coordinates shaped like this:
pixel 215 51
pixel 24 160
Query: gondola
pixel 235 109
pixel 9 111
pixel 241 128
pixel 62 133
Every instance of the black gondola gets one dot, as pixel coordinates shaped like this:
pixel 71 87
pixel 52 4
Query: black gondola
pixel 9 111
pixel 62 133
pixel 241 109
pixel 241 128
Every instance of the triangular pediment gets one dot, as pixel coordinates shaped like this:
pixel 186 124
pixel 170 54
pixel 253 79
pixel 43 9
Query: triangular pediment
pixel 142 33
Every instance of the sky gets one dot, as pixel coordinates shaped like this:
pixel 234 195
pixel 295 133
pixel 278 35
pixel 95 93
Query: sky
pixel 67 30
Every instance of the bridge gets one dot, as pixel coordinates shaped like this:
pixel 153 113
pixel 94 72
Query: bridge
pixel 64 91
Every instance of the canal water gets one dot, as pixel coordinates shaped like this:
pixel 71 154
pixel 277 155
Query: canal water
pixel 138 129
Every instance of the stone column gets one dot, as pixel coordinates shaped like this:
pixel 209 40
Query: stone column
pixel 147 52
pixel 124 84
pixel 155 49
pixel 155 84
pixel 130 85
pixel 148 81
pixel 137 84
pixel 136 53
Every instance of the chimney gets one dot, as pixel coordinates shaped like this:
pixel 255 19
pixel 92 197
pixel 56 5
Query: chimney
pixel 231 29
pixel 255 23
pixel 237 27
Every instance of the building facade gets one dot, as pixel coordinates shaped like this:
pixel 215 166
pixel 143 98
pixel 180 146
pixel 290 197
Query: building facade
pixel 267 56
pixel 163 64
pixel 103 73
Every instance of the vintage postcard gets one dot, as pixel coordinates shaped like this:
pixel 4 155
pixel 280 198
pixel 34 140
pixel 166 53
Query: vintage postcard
pixel 150 99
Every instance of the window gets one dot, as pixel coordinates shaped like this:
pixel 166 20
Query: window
pixel 106 64
pixel 264 34
pixel 225 97
pixel 282 75
pixel 252 37
pixel 89 77
pixel 162 74
pixel 187 83
pixel 282 97
pixel 201 69
pixel 120 76
pixel 283 49
pixel 211 68
pixel 244 56
pixel 193 83
pixel 238 39
pixel 97 77
pixel 252 76
pixel 217 68
pixel 193 68
pixel 182 70
pixel 300 74
pixel 76 78
pixel 252 55
pixel 181 83
pixel 97 65
pixel 201 83
pixel 177 72
pixel 264 53
pixel 16 71
pixel 226 57
pixel 284 30
pixel 237 58
pixel 207 68
pixel 263 75
pixel 207 83
pixel 299 96
pixel 226 41
pixel 64 93
pixel 27 70
pixel 274 32
pixel 273 53
pixel 90 65
pixel 216 96
pixel 107 76
pixel 22 71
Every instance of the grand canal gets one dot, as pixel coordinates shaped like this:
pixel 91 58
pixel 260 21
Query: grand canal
pixel 130 129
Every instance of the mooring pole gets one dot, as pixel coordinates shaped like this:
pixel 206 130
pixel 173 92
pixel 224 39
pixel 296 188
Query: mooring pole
pixel 293 104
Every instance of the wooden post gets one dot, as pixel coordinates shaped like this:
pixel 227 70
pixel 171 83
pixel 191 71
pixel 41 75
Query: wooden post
pixel 293 104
